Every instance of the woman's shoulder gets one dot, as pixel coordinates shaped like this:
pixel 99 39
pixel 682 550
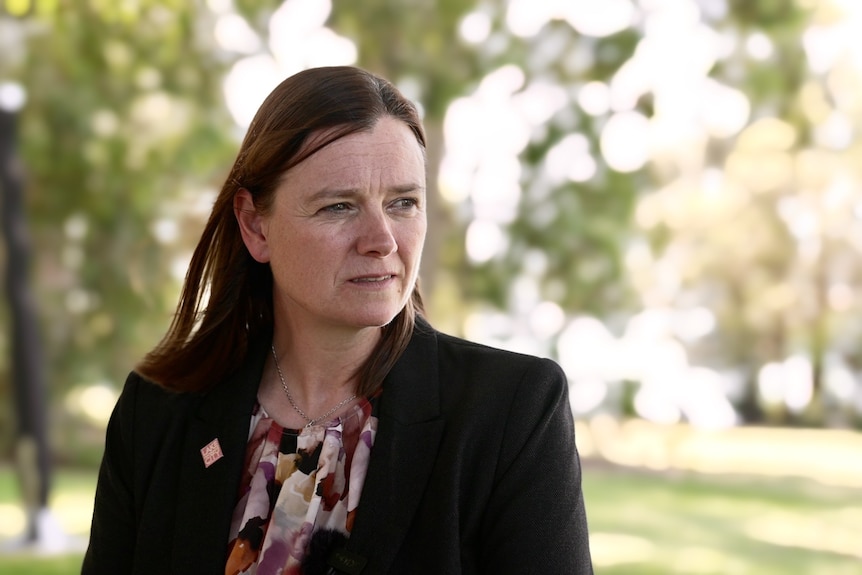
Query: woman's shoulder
pixel 146 402
pixel 144 389
pixel 466 351
pixel 467 364
pixel 482 385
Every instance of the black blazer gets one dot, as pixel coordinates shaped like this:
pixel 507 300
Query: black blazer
pixel 473 470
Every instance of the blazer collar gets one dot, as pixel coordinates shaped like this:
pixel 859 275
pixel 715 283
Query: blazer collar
pixel 411 393
pixel 236 395
pixel 209 493
pixel 403 456
pixel 405 448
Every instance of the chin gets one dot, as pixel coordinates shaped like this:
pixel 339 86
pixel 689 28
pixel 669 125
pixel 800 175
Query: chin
pixel 381 319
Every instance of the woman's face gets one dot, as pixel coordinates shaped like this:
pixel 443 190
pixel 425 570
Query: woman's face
pixel 345 233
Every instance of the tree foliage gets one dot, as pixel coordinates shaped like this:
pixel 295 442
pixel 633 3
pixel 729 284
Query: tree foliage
pixel 123 129
pixel 126 135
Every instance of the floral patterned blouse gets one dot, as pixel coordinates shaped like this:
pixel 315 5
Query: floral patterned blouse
pixel 299 492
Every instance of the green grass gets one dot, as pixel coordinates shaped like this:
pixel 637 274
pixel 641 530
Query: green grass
pixel 72 506
pixel 646 523
pixel 35 565
pixel 641 523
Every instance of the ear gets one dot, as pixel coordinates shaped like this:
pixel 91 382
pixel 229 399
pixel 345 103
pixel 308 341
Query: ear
pixel 251 225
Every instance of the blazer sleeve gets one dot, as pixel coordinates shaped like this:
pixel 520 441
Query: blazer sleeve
pixel 535 521
pixel 113 528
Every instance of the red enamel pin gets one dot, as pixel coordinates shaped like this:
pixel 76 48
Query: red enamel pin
pixel 211 452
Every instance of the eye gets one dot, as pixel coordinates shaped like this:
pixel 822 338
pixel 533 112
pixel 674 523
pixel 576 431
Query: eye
pixel 337 208
pixel 405 203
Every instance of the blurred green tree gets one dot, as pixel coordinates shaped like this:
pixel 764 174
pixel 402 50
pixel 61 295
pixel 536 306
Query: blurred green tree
pixel 123 131
pixel 125 134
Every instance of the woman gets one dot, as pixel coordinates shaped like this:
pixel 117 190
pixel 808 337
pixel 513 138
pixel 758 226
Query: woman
pixel 300 416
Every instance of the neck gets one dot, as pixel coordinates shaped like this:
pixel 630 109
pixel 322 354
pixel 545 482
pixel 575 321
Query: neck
pixel 311 363
pixel 296 408
pixel 318 368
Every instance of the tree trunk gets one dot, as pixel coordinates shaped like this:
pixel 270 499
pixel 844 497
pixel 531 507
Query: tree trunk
pixel 28 372
pixel 438 219
pixel 819 340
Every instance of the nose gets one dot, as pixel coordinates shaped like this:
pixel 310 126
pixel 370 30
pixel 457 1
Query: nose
pixel 375 235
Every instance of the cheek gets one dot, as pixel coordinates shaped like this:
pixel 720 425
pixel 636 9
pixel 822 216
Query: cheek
pixel 317 252
pixel 416 237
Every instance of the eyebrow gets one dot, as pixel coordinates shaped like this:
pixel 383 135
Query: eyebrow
pixel 339 193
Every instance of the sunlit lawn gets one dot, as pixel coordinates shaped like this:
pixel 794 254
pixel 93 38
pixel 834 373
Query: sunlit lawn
pixel 684 523
pixel 72 506
pixel 641 523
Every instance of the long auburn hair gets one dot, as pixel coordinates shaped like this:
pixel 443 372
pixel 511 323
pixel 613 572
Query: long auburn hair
pixel 226 299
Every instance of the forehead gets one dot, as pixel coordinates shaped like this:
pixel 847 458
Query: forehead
pixel 388 150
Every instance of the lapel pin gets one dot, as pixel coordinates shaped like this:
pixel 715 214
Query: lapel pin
pixel 211 452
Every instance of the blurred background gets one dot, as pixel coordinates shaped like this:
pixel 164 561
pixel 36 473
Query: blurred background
pixel 665 196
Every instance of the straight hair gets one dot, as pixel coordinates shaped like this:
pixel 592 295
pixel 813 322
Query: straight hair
pixel 226 299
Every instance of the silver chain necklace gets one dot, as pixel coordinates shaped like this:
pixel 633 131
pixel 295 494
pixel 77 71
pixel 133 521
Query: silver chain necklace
pixel 310 421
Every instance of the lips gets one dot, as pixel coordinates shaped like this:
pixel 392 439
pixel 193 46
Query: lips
pixel 371 279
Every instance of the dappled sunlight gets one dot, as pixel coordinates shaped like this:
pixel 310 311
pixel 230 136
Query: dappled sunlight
pixel 12 96
pixel 625 141
pixel 830 457
pixel 68 516
pixel 13 522
pixel 788 382
pixel 751 220
pixel 691 559
pixel 73 511
pixel 661 195
pixel 93 402
pixel 298 39
pixel 818 533
pixel 618 548
pixel 687 523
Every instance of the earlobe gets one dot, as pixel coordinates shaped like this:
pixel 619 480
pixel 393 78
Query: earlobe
pixel 250 225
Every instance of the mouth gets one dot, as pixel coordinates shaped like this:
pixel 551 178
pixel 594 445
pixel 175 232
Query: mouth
pixel 371 279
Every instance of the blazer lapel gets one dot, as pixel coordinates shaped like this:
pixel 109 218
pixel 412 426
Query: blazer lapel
pixel 402 459
pixel 208 493
pixel 403 455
